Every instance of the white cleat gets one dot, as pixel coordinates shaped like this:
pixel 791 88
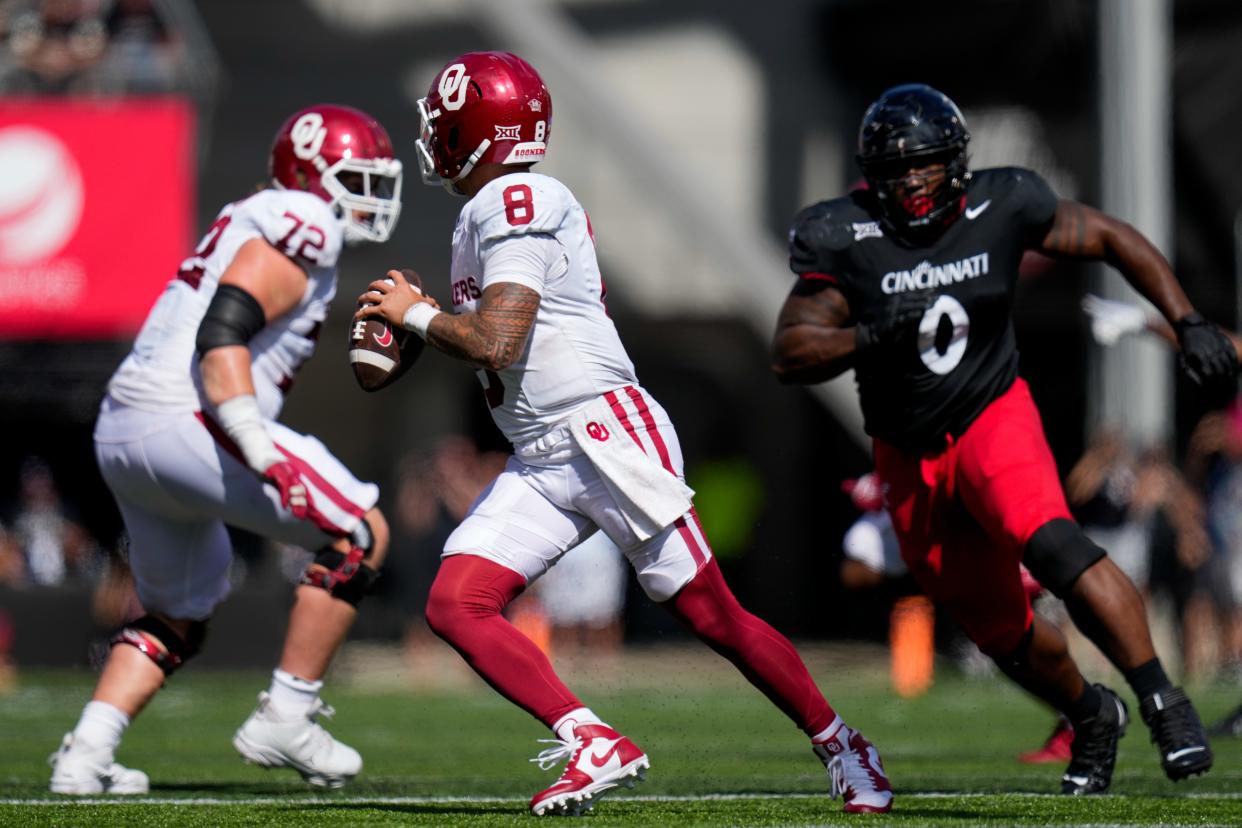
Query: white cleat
pixel 79 770
pixel 301 744
pixel 856 772
pixel 600 759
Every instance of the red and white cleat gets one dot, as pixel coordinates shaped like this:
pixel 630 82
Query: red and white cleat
pixel 600 759
pixel 1059 748
pixel 856 772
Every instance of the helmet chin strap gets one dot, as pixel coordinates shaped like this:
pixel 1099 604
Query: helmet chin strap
pixel 470 162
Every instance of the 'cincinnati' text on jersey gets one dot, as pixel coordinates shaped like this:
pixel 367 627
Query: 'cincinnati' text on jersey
pixel 927 275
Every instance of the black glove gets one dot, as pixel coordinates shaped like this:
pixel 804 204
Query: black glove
pixel 1207 357
pixel 895 322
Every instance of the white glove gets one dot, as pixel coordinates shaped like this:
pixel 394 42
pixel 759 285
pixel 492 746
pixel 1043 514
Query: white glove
pixel 1111 320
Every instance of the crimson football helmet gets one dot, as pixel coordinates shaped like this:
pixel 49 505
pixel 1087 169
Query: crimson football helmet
pixel 482 107
pixel 345 157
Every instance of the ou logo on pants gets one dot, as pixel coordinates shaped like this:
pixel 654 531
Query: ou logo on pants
pixel 597 431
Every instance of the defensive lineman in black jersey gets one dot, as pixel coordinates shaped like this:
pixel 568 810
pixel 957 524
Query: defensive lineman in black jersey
pixel 911 282
pixel 964 355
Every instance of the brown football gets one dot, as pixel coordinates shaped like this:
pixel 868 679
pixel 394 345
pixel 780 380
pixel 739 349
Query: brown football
pixel 378 353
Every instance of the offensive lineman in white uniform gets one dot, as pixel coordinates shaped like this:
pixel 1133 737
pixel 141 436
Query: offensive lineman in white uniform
pixel 187 441
pixel 592 449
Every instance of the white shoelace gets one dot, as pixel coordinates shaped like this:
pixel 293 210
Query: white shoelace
pixel 551 757
pixel 320 739
pixel 836 775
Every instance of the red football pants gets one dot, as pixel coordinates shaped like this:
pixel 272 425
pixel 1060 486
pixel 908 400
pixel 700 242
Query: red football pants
pixel 963 516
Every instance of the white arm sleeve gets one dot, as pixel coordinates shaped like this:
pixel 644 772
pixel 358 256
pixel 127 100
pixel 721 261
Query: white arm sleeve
pixel 533 261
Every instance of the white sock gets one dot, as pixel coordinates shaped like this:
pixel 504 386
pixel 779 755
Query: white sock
pixel 292 697
pixel 101 726
pixel 564 727
pixel 835 730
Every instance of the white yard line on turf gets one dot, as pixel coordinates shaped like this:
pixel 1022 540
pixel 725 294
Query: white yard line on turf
pixel 451 800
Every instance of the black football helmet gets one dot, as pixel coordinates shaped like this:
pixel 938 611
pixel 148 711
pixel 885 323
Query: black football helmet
pixel 909 124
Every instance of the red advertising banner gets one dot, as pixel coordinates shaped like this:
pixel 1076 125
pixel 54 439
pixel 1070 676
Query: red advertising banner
pixel 96 210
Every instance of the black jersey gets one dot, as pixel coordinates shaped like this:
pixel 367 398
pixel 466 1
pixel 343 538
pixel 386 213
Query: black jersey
pixel 964 355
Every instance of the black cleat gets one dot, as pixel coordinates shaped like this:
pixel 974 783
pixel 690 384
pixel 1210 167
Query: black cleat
pixel 1231 725
pixel 1177 731
pixel 1095 747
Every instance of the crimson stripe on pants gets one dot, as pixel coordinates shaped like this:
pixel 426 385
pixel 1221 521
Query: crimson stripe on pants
pixel 636 397
pixel 218 434
pixel 696 552
pixel 623 416
pixel 306 470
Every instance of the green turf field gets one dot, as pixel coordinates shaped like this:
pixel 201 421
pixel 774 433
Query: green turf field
pixel 720 755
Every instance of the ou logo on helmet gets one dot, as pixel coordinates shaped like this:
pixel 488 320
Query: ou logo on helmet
pixel 454 83
pixel 41 195
pixel 308 135
pixel 941 350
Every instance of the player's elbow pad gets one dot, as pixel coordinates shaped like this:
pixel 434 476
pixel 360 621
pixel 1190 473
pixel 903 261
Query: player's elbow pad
pixel 232 318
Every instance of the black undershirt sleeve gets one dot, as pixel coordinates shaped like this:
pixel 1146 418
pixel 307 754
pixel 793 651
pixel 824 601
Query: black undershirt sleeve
pixel 232 318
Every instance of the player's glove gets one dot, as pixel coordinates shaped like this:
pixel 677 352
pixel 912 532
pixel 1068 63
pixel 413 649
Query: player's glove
pixel 894 323
pixel 243 422
pixel 293 493
pixel 1207 356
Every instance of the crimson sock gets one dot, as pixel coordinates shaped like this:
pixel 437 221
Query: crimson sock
pixel 464 609
pixel 707 606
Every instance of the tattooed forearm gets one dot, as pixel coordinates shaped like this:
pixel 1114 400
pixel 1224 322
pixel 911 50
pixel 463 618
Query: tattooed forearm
pixel 494 335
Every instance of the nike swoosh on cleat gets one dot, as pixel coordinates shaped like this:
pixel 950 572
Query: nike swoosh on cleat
pixel 599 761
pixel 1077 780
pixel 973 213
pixel 1178 754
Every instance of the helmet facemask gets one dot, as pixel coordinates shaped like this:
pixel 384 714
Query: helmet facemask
pixel 367 186
pixel 427 147
pixel 919 204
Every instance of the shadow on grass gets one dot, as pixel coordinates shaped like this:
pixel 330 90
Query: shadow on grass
pixel 967 815
pixel 446 809
pixel 242 789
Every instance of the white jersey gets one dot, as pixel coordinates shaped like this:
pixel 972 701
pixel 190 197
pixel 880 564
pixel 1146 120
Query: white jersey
pixel 161 372
pixel 529 229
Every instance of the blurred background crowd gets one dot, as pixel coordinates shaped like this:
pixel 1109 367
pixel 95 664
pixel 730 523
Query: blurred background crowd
pixel 692 131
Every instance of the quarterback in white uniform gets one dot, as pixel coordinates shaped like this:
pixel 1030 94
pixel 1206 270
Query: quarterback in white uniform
pixel 187 440
pixel 592 449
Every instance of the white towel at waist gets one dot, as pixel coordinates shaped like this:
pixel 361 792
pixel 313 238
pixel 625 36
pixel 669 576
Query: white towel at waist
pixel 648 496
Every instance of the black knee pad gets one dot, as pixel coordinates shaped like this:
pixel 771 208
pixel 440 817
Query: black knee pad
pixel 344 576
pixel 1058 553
pixel 148 632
